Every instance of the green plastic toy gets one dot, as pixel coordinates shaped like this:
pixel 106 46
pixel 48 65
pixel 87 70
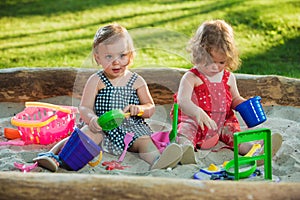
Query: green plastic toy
pixel 246 167
pixel 253 135
pixel 173 133
pixel 113 119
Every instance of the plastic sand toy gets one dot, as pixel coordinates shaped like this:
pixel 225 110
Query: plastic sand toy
pixel 113 119
pixel 253 135
pixel 79 150
pixel 44 123
pixel 252 111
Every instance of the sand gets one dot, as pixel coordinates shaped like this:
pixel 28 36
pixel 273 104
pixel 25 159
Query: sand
pixel 280 119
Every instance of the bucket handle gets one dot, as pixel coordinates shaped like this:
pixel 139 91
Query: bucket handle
pixel 49 106
pixel 95 163
pixel 28 123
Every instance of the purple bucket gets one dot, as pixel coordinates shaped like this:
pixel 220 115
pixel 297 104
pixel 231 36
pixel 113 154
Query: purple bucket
pixel 252 111
pixel 78 150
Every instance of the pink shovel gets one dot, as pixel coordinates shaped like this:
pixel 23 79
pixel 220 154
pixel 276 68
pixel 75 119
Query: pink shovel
pixel 127 139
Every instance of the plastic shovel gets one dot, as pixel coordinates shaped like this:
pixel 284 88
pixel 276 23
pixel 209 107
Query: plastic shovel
pixel 113 119
pixel 127 139
pixel 173 133
pixel 25 168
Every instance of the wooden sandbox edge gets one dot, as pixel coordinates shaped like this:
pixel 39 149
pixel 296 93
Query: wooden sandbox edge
pixel 17 185
pixel 32 84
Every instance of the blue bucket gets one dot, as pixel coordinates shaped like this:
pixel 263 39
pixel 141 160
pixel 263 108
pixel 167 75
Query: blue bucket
pixel 252 111
pixel 78 150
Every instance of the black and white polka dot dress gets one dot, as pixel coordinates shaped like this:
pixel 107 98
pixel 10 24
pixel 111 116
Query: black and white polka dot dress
pixel 112 97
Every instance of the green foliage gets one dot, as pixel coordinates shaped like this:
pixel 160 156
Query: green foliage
pixel 59 33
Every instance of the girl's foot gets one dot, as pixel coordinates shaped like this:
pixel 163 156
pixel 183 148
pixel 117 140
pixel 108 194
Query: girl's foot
pixel 170 157
pixel 50 160
pixel 276 144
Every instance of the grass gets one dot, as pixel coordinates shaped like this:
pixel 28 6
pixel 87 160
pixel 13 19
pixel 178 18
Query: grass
pixel 42 33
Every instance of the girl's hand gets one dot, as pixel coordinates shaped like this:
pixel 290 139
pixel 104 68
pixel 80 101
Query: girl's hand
pixel 133 109
pixel 204 120
pixel 94 126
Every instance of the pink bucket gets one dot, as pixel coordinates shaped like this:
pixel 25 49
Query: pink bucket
pixel 161 140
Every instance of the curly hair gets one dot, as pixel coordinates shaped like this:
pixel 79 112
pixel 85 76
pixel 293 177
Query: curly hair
pixel 214 35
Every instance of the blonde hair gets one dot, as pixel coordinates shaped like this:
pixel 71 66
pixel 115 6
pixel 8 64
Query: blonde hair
pixel 110 34
pixel 214 35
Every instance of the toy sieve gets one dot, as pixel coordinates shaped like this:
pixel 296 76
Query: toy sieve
pixel 246 167
pixel 113 119
pixel 44 123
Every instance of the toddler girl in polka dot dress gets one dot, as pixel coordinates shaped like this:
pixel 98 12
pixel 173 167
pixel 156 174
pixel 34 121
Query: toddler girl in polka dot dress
pixel 115 87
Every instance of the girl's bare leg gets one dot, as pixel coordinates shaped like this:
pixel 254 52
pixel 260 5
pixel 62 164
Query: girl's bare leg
pixel 244 148
pixel 146 149
pixel 96 137
pixel 149 152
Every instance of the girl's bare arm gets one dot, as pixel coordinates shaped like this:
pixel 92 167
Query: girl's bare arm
pixel 86 107
pixel 146 101
pixel 236 97
pixel 184 98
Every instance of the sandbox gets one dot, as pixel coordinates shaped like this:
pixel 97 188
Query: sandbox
pixel 19 85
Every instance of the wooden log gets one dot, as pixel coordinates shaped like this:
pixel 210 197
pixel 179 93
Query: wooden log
pixel 25 186
pixel 32 84
pixel 274 90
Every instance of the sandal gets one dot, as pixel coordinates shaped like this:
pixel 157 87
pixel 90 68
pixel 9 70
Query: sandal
pixel 48 160
pixel 170 157
pixel 188 155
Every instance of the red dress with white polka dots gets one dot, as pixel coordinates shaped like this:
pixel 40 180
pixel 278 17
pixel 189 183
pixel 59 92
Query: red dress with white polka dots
pixel 215 99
